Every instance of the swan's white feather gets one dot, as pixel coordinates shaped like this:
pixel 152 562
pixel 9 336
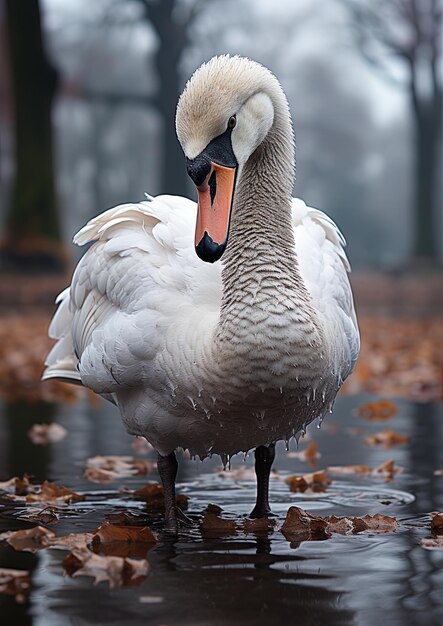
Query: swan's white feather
pixel 140 290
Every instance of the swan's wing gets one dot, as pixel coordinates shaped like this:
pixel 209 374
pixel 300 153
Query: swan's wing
pixel 139 278
pixel 324 268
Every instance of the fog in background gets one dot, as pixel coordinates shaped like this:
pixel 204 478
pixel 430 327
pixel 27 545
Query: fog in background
pixel 353 124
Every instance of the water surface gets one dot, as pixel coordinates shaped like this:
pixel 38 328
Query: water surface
pixel 242 578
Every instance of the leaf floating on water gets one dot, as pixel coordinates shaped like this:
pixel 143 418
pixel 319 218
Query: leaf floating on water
pixel 316 482
pixel 386 470
pixel 126 518
pixel 28 540
pixel 213 508
pixel 216 526
pixel 432 543
pixel 115 570
pixel 15 582
pixel 437 524
pixel 43 434
pixel 387 438
pixel 309 455
pixel 299 525
pixel 15 485
pixel 123 541
pixel 357 470
pixel 50 492
pixel 152 495
pixel 378 411
pixel 71 541
pixel 262 525
pixel 48 515
pixel 106 469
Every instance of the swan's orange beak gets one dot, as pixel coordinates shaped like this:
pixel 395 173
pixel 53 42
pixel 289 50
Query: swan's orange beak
pixel 215 196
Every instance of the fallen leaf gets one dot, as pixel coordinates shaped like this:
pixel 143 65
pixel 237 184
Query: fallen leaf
pixel 115 570
pixel 216 526
pixel 105 469
pixel 437 524
pixel 48 515
pixel 378 523
pixel 213 508
pixel 315 482
pixel 42 434
pixel 123 541
pixel 438 472
pixel 299 525
pixel 50 492
pixel 71 541
pixel 259 526
pixel 28 540
pixel 386 470
pixel 15 582
pixel 377 411
pixel 126 518
pixel 152 495
pixel 387 438
pixel 358 470
pixel 432 543
pixel 309 455
pixel 15 485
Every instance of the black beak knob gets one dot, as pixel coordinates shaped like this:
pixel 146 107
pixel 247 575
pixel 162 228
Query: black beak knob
pixel 198 168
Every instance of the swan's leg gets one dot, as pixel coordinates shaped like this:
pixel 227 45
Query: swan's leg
pixel 264 457
pixel 167 468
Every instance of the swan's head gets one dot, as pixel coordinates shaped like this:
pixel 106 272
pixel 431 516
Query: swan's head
pixel 223 115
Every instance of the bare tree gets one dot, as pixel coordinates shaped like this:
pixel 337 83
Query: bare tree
pixel 411 31
pixel 32 227
pixel 171 21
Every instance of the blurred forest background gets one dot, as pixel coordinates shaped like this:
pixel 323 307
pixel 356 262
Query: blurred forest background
pixel 88 93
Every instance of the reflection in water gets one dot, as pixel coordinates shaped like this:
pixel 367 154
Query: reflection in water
pixel 241 579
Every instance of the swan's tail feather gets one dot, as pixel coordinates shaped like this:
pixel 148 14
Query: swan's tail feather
pixel 61 362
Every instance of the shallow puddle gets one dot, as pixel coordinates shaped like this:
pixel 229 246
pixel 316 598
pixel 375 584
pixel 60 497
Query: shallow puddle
pixel 242 578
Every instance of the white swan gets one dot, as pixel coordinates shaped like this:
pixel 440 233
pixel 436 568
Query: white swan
pixel 214 358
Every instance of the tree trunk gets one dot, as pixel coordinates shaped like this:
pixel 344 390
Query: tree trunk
pixel 173 38
pixel 427 117
pixel 173 176
pixel 32 227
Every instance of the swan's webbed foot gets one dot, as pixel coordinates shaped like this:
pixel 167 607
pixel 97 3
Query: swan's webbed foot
pixel 264 457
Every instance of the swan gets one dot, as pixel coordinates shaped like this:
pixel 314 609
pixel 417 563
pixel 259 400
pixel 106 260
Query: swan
pixel 216 358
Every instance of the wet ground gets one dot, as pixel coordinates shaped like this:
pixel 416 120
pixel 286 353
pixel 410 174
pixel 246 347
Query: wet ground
pixel 243 578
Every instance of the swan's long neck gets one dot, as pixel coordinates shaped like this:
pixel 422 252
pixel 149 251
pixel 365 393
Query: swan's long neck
pixel 266 310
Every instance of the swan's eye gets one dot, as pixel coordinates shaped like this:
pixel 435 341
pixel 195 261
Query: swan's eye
pixel 232 121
